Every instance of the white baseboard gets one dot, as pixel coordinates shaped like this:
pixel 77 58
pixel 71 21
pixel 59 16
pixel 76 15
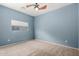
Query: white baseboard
pixel 57 44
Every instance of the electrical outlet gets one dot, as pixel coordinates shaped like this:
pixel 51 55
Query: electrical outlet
pixel 66 41
pixel 8 40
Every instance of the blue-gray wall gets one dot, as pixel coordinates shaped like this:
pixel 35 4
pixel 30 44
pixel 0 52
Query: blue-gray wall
pixel 78 25
pixel 59 26
pixel 6 15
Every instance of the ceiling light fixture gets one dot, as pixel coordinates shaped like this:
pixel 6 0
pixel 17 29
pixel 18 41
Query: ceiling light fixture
pixel 37 6
pixel 36 9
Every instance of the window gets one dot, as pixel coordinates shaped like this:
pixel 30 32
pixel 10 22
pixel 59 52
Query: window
pixel 19 25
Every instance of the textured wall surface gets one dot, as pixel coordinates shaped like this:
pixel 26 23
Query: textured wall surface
pixel 78 25
pixel 58 26
pixel 6 34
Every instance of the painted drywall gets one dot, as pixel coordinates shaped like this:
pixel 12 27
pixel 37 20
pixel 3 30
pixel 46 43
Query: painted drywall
pixel 59 26
pixel 78 25
pixel 8 36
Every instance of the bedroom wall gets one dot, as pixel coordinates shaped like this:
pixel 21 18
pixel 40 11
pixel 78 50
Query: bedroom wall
pixel 78 25
pixel 59 26
pixel 8 36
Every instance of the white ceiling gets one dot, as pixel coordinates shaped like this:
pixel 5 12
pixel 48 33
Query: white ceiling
pixel 31 11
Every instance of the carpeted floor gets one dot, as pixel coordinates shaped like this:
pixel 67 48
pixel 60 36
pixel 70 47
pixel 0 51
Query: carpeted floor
pixel 37 48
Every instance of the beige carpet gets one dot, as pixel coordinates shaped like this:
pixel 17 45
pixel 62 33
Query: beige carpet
pixel 37 48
